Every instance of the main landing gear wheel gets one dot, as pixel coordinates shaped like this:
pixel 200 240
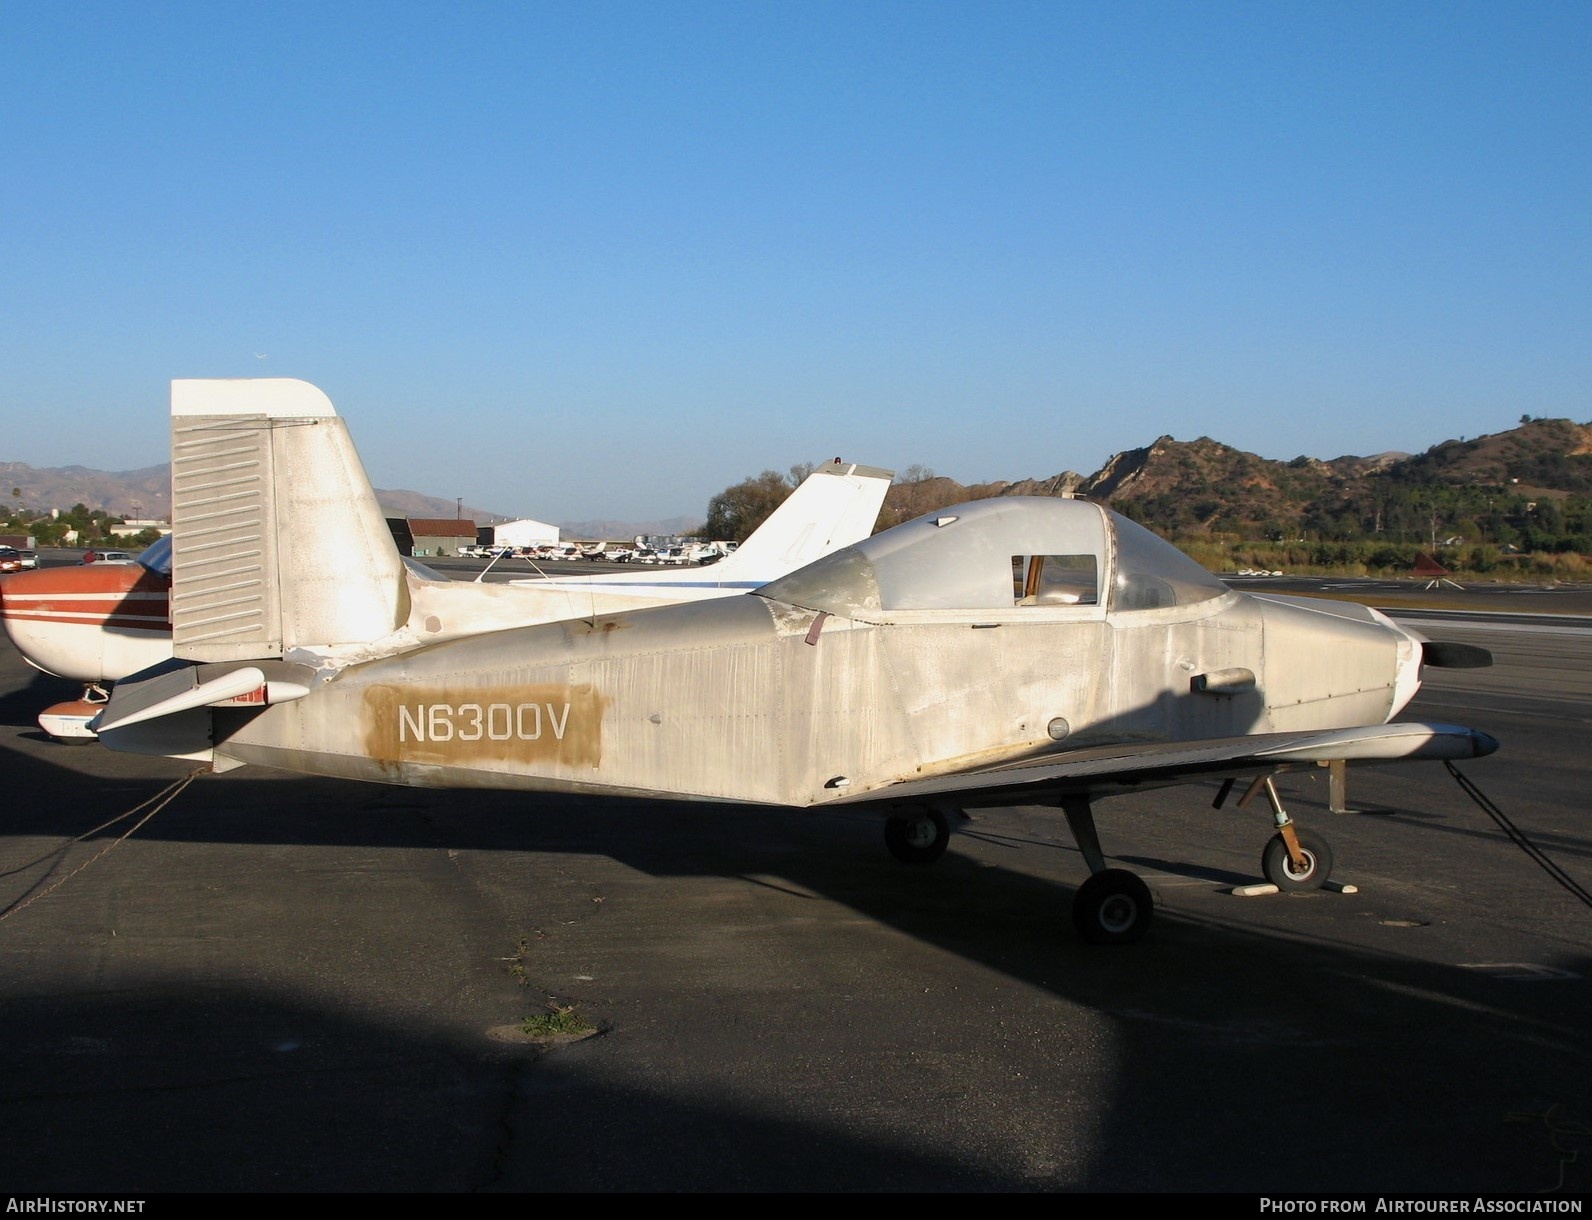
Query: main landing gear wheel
pixel 918 838
pixel 1281 871
pixel 1112 908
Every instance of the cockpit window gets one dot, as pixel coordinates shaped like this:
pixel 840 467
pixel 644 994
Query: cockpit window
pixel 1152 573
pixel 1055 580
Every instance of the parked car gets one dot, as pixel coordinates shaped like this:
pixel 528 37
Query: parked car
pixel 10 559
pixel 30 559
pixel 107 557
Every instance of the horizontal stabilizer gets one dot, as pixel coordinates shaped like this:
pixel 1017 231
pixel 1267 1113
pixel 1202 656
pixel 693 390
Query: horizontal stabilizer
pixel 166 693
pixel 174 692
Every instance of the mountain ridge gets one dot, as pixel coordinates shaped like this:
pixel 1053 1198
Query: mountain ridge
pixel 145 494
pixel 1202 486
pixel 1487 486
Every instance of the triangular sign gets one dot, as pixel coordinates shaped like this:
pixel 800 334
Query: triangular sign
pixel 1425 565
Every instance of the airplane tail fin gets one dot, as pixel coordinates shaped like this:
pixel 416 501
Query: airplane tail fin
pixel 278 542
pixel 833 507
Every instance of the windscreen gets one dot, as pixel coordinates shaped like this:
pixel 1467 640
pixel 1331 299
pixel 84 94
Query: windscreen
pixel 1152 573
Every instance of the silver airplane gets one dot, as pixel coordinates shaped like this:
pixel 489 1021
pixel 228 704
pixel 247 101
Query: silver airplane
pixel 1008 651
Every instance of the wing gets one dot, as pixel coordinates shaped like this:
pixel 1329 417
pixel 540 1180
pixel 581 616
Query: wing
pixel 1101 770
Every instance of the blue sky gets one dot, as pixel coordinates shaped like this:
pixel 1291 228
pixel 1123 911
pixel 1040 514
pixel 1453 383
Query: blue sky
pixel 588 260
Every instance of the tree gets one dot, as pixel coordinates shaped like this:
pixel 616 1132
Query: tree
pixel 736 511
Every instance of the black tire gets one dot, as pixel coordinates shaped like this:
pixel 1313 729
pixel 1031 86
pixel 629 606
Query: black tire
pixel 1280 870
pixel 919 838
pixel 1113 908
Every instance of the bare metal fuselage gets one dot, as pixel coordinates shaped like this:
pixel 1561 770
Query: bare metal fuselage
pixel 753 700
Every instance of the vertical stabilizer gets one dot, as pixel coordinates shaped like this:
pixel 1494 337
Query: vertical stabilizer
pixel 277 540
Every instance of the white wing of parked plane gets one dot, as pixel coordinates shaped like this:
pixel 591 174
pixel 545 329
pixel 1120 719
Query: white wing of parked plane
pixel 836 505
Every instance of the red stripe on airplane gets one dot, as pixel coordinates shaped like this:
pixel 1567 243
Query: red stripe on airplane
pixel 111 580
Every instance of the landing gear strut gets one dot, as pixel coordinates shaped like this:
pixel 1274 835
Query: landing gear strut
pixel 1114 906
pixel 1294 860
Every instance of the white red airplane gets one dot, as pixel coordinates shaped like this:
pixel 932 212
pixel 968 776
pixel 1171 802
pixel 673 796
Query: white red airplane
pixel 94 623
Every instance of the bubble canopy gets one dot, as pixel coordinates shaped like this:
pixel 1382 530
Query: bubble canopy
pixel 1017 551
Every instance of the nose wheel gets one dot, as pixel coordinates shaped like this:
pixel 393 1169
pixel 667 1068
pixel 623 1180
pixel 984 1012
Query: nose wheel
pixel 1309 872
pixel 1294 860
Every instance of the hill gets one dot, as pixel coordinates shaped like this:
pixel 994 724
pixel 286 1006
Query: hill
pixel 1514 487
pixel 145 492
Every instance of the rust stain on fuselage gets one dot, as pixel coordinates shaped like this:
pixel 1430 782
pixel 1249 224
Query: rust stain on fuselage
pixel 540 726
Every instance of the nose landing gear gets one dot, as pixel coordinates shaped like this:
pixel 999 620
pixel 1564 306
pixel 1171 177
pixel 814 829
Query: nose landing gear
pixel 1294 860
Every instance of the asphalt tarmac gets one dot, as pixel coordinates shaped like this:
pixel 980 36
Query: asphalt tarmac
pixel 277 984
